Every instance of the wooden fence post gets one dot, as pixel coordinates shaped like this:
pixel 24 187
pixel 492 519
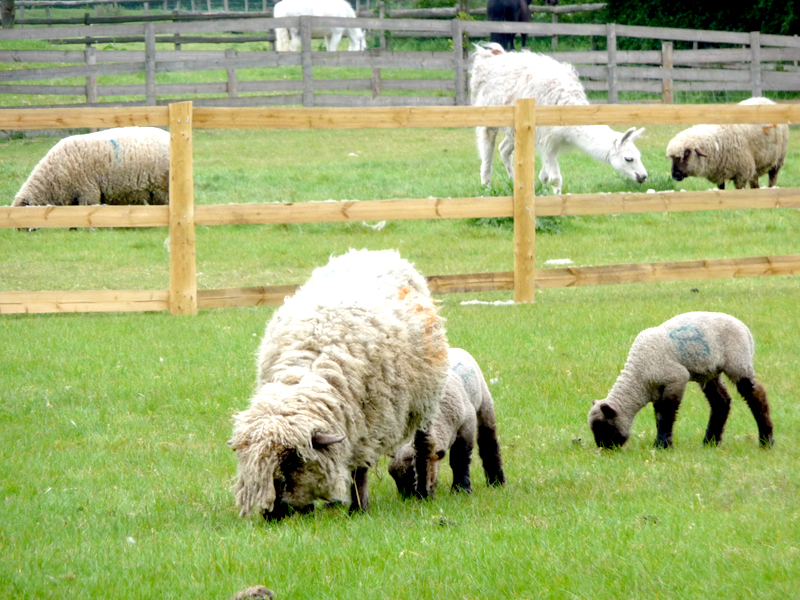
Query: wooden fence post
pixel 305 60
pixel 150 64
pixel 524 200
pixel 182 255
pixel 611 37
pixel 667 89
pixel 233 82
pixel 90 57
pixel 755 63
pixel 459 66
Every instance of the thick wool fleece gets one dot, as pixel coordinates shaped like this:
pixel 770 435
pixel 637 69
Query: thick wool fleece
pixel 349 369
pixel 695 346
pixel 741 153
pixel 466 409
pixel 127 165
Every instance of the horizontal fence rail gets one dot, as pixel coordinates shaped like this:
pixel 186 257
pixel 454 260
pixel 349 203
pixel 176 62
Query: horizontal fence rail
pixel 750 63
pixel 181 216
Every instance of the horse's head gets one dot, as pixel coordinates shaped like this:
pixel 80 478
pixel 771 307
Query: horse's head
pixel 358 39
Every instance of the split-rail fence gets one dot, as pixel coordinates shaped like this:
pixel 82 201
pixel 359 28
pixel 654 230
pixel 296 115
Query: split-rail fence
pixel 182 216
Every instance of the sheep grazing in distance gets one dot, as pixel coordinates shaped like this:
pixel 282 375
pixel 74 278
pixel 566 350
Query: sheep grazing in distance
pixel 350 368
pixel 126 165
pixel 466 409
pixel 500 78
pixel 738 152
pixel 694 346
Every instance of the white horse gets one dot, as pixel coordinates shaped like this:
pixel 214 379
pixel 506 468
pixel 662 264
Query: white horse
pixel 317 8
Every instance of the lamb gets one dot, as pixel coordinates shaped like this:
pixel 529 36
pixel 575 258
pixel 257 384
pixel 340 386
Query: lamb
pixel 350 368
pixel 694 346
pixel 127 165
pixel 500 78
pixel 738 152
pixel 465 406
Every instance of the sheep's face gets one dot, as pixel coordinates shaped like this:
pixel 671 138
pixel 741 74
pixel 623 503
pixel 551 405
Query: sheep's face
pixel 401 468
pixel 681 163
pixel 626 158
pixel 606 427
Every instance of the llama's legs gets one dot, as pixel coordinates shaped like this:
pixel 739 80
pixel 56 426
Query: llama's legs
pixel 720 401
pixel 486 140
pixel 550 174
pixel 756 397
pixel 460 458
pixel 507 151
pixel 489 450
pixel 666 409
pixel 359 498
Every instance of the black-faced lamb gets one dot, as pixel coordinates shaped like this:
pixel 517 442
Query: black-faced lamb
pixel 694 346
pixel 738 152
pixel 466 410
pixel 500 78
pixel 350 368
pixel 126 165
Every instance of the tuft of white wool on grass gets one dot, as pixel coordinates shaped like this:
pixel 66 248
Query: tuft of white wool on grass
pixel 499 78
pixel 350 368
pixel 741 153
pixel 466 413
pixel 126 165
pixel 694 346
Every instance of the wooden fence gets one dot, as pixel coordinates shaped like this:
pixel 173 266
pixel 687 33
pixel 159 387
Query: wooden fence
pixel 748 63
pixel 181 216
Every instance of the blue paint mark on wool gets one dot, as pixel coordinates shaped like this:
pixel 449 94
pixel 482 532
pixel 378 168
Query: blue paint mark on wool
pixel 114 143
pixel 690 342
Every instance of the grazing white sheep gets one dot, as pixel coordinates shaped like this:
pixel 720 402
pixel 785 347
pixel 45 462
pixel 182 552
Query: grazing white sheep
pixel 500 78
pixel 350 368
pixel 466 409
pixel 694 346
pixel 126 165
pixel 738 152
pixel 289 39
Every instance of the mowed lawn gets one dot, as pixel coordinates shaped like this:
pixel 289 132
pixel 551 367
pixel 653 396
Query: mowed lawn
pixel 116 476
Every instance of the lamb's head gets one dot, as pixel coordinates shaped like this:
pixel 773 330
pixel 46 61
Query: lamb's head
pixel 626 158
pixel 287 460
pixel 401 468
pixel 610 431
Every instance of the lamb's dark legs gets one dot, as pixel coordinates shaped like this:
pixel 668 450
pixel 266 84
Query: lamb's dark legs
pixel 756 397
pixel 666 412
pixel 460 458
pixel 423 465
pixel 489 450
pixel 359 498
pixel 720 401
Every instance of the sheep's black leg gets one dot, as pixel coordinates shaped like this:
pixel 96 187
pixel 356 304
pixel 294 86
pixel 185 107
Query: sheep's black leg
pixel 773 177
pixel 666 409
pixel 720 401
pixel 489 451
pixel 359 498
pixel 460 458
pixel 423 453
pixel 756 397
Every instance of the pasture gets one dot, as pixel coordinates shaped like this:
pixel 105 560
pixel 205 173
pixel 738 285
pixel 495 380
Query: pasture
pixel 116 475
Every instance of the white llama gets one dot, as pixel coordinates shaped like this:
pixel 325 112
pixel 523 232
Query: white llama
pixel 499 78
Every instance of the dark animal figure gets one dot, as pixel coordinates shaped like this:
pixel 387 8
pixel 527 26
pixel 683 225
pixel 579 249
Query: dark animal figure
pixel 508 10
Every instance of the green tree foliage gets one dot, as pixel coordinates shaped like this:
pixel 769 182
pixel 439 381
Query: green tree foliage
pixel 779 17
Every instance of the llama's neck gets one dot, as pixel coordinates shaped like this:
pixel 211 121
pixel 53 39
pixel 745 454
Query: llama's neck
pixel 595 140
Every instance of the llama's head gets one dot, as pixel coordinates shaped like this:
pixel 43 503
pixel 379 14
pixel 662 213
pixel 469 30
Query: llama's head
pixel 609 430
pixel 626 158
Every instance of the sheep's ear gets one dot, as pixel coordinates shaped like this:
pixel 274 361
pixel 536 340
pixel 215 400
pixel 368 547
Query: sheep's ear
pixel 323 440
pixel 608 412
pixel 701 153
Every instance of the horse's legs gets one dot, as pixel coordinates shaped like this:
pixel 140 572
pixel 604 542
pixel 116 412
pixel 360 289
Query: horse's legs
pixel 333 38
pixel 294 44
pixel 486 140
pixel 507 150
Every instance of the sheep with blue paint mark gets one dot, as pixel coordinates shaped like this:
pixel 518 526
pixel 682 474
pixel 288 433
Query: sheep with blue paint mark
pixel 126 165
pixel 694 346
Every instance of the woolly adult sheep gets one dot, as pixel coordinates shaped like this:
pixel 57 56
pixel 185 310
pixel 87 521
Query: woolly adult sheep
pixel 738 152
pixel 128 165
pixel 695 346
pixel 500 78
pixel 350 368
pixel 466 409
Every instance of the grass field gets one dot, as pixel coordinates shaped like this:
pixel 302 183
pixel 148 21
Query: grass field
pixel 116 477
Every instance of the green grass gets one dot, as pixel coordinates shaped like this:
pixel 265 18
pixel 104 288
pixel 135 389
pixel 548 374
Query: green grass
pixel 114 470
